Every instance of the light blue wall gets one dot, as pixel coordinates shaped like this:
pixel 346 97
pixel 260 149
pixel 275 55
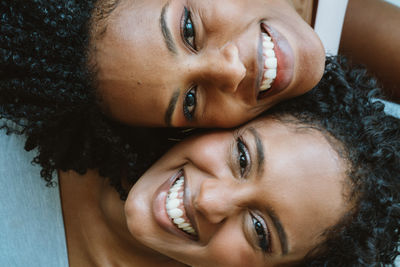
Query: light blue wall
pixel 394 2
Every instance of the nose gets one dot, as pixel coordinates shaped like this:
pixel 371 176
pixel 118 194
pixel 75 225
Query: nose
pixel 222 68
pixel 218 200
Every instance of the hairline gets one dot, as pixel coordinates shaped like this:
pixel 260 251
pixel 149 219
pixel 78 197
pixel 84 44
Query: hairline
pixel 297 125
pixel 98 19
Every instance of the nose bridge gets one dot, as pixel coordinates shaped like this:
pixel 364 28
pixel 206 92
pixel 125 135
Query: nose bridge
pixel 219 199
pixel 222 67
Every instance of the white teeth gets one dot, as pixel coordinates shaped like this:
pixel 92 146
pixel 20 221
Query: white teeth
pixel 179 220
pixel 175 213
pixel 174 189
pixel 174 207
pixel 173 195
pixel 268 81
pixel 268 45
pixel 183 225
pixel 266 84
pixel 266 37
pixel 173 203
pixel 270 74
pixel 270 63
pixel 265 87
pixel 269 53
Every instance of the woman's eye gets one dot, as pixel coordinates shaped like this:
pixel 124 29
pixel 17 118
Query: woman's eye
pixel 189 104
pixel 243 157
pixel 188 31
pixel 263 241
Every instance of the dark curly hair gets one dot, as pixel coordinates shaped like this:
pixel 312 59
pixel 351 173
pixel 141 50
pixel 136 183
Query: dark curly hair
pixel 343 106
pixel 47 88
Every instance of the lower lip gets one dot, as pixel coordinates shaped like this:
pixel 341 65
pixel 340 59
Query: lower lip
pixel 285 57
pixel 159 209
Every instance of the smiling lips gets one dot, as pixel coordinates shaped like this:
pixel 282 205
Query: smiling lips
pixel 175 207
pixel 276 61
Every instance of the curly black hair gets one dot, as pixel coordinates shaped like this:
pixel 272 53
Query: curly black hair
pixel 344 106
pixel 47 88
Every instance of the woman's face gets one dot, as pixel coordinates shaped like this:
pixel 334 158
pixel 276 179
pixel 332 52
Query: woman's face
pixel 202 63
pixel 261 195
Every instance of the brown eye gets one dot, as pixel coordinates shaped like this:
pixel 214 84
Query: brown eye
pixel 263 241
pixel 243 157
pixel 188 31
pixel 189 104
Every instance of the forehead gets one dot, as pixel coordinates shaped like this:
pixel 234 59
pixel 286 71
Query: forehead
pixel 303 183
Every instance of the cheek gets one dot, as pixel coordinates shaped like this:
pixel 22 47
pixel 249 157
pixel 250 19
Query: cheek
pixel 309 56
pixel 309 50
pixel 230 248
pixel 138 218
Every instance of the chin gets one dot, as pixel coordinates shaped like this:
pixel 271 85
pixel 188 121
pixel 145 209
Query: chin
pixel 137 213
pixel 138 209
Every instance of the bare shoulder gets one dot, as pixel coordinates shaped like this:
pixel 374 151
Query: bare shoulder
pixel 378 51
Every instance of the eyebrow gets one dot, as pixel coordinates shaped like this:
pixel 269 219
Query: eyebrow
pixel 171 108
pixel 260 170
pixel 281 231
pixel 166 33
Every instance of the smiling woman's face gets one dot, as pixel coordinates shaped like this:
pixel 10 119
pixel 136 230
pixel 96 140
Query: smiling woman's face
pixel 202 63
pixel 258 196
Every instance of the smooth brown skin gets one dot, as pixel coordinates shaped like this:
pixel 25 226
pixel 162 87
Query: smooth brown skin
pixel 138 75
pixel 371 36
pixel 301 180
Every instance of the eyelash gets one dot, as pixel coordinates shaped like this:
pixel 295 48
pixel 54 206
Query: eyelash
pixel 263 234
pixel 190 103
pixel 188 28
pixel 189 37
pixel 243 157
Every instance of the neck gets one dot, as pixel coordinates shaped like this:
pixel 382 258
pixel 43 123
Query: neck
pixel 95 226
